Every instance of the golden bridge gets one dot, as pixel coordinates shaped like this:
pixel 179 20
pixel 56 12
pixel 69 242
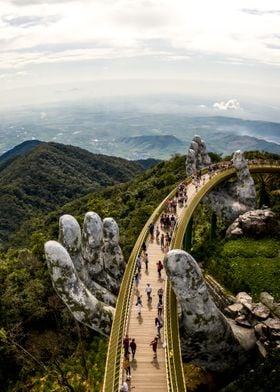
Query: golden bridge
pixel 164 373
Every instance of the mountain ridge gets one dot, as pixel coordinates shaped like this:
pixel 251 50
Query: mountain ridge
pixel 51 175
pixel 19 150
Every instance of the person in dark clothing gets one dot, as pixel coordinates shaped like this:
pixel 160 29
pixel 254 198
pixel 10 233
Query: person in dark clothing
pixel 159 325
pixel 126 345
pixel 133 347
pixel 159 268
pixel 154 344
pixel 151 229
pixel 144 247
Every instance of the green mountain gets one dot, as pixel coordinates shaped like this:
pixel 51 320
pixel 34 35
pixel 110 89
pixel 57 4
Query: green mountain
pixel 20 149
pixel 51 175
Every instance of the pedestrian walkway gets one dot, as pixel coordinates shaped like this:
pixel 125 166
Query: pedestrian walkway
pixel 149 373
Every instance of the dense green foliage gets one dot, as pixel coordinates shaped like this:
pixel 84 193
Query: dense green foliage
pixel 51 175
pixel 248 265
pixel 42 347
pixel 20 149
pixel 130 204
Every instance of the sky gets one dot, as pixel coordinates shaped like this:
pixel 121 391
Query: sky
pixel 225 53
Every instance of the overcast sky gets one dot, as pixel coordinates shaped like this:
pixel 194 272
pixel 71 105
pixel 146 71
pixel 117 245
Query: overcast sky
pixel 56 49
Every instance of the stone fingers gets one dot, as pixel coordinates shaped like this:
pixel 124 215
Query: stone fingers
pixel 85 307
pixel 113 258
pixel 92 241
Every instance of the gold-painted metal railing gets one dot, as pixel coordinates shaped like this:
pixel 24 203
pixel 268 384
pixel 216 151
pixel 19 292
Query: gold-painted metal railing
pixel 175 376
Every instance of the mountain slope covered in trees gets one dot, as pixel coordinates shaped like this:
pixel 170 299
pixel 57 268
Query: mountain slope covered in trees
pixel 19 150
pixel 49 176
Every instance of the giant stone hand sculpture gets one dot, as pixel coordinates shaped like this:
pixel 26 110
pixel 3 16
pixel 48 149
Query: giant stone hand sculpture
pixel 206 337
pixel 197 156
pixel 86 268
pixel 229 200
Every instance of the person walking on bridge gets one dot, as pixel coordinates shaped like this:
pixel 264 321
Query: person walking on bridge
pixel 157 235
pixel 159 325
pixel 151 230
pixel 126 345
pixel 133 347
pixel 160 293
pixel 146 260
pixel 154 344
pixel 138 264
pixel 139 305
pixel 159 268
pixel 149 291
pixel 126 366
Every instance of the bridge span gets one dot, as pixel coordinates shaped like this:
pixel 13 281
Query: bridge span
pixel 164 373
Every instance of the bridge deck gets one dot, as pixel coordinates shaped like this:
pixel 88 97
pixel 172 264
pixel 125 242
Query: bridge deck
pixel 148 373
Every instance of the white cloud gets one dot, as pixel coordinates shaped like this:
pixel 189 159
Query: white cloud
pixel 231 104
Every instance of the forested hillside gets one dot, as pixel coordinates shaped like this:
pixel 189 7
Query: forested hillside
pixel 21 149
pixel 49 176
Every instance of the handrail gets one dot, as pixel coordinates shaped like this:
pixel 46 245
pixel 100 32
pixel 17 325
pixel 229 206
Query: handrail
pixel 113 369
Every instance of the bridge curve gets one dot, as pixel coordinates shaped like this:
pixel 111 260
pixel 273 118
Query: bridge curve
pixel 173 364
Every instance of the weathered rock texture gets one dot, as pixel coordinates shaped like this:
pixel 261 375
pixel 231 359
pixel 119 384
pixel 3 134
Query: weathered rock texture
pixel 261 317
pixel 197 156
pixel 229 200
pixel 206 337
pixel 253 223
pixel 86 270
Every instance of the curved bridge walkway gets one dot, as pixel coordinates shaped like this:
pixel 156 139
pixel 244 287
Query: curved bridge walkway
pixel 163 373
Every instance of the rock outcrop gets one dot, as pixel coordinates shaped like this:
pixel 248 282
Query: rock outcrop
pixel 229 200
pixel 207 338
pixel 197 156
pixel 86 268
pixel 262 318
pixel 253 224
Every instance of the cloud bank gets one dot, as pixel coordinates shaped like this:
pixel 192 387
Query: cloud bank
pixel 231 104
